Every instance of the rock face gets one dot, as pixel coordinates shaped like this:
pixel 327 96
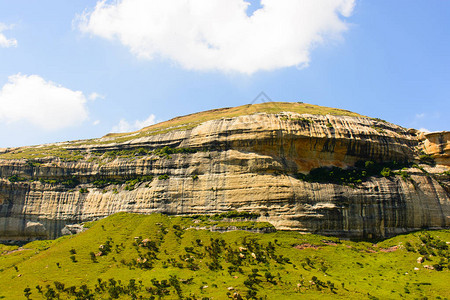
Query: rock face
pixel 438 145
pixel 245 163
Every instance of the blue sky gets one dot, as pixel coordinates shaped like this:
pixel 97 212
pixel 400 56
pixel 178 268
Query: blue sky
pixel 73 69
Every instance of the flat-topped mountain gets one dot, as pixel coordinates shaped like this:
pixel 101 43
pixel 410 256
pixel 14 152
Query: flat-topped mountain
pixel 299 166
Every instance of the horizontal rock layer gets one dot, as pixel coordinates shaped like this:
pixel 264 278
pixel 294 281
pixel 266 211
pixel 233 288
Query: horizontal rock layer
pixel 245 163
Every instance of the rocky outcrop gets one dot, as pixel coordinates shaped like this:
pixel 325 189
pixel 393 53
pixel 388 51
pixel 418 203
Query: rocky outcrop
pixel 437 144
pixel 245 163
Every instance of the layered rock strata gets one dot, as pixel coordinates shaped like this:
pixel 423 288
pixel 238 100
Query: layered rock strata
pixel 245 163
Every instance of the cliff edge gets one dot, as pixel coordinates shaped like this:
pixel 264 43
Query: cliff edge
pixel 300 167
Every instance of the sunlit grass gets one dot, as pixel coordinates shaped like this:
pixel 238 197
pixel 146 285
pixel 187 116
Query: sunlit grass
pixel 354 269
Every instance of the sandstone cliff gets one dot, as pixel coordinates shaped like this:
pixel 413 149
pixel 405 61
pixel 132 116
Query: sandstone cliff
pixel 246 162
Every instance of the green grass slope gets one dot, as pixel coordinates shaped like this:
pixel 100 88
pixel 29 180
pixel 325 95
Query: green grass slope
pixel 130 256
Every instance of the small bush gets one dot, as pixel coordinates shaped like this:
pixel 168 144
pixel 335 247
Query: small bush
pixel 427 159
pixel 71 182
pixel 386 172
pixel 93 257
pixel 405 176
pixel 15 178
pixel 163 177
pixel 409 247
pixel 27 292
pixel 83 191
pixel 58 285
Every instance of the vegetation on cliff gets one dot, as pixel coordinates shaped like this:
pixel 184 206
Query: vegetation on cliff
pixel 249 162
pixel 128 256
pixel 362 171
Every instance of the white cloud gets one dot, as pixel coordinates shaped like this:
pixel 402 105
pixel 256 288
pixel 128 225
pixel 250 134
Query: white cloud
pixel 420 116
pixel 125 126
pixel 96 122
pixel 424 130
pixel 218 34
pixel 44 104
pixel 94 96
pixel 4 41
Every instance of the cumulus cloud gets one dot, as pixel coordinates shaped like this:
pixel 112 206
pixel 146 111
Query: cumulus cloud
pixel 44 104
pixel 218 34
pixel 125 126
pixel 4 41
pixel 94 96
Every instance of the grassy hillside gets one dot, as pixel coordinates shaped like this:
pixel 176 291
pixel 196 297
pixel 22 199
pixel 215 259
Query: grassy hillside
pixel 179 123
pixel 129 256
